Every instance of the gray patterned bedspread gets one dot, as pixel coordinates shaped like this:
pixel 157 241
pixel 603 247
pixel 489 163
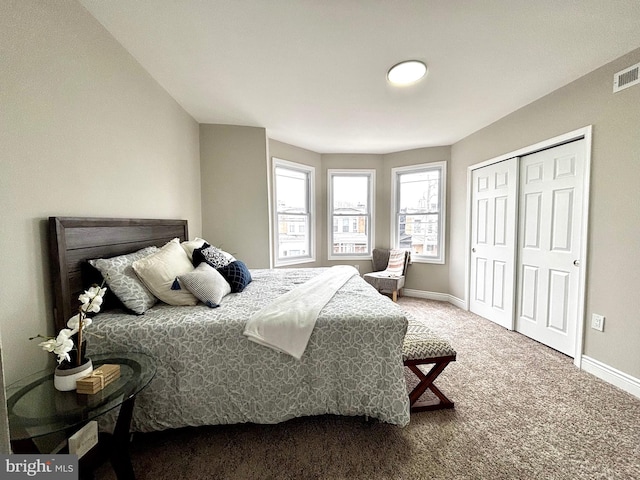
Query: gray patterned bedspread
pixel 209 373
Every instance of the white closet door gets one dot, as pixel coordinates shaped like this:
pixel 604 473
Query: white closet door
pixel 550 226
pixel 493 242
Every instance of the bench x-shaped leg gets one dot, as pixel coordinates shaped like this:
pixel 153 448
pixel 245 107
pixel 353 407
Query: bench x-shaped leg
pixel 426 382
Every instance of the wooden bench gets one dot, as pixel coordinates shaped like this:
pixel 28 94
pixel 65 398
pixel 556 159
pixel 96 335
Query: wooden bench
pixel 422 347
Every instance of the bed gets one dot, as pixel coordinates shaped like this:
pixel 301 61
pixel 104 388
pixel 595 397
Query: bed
pixel 208 372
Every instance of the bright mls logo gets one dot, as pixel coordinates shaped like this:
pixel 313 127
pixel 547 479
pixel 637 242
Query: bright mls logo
pixel 52 467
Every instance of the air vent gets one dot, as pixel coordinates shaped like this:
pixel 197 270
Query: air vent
pixel 626 78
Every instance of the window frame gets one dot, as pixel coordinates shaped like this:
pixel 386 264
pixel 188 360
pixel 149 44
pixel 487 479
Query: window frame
pixel 310 213
pixel 351 172
pixel 396 174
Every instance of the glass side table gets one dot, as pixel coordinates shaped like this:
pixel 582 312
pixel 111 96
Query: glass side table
pixel 37 409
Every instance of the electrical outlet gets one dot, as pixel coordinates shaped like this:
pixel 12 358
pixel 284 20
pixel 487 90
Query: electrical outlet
pixel 597 322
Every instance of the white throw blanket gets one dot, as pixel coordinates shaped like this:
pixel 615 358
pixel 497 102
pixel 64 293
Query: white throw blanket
pixel 286 323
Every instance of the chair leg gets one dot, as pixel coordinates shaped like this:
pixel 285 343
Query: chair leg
pixel 394 295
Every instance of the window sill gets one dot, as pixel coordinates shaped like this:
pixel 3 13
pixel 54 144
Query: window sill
pixel 436 261
pixel 297 261
pixel 334 258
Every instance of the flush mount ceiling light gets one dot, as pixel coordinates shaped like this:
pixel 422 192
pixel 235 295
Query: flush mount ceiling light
pixel 407 72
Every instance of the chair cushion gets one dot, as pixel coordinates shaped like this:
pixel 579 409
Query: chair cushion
pixel 382 281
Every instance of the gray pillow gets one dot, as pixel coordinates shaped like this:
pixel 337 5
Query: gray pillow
pixel 123 281
pixel 206 284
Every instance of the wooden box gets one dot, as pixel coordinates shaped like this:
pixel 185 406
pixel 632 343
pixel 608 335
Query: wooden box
pixel 100 378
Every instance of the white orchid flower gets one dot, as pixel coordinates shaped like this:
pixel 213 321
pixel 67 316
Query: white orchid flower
pixel 93 292
pixel 66 333
pixel 92 299
pixel 94 306
pixel 61 345
pixel 85 297
pixel 63 349
pixel 74 322
pixel 64 356
pixel 48 345
pixel 64 345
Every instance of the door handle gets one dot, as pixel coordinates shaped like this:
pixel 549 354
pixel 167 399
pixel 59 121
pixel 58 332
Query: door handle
pixel 576 263
pixel 473 250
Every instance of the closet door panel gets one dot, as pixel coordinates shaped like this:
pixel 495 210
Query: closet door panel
pixel 493 241
pixel 550 229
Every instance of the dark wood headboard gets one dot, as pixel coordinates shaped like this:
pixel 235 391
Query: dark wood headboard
pixel 73 241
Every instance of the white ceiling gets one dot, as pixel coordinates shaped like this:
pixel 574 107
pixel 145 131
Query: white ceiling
pixel 312 72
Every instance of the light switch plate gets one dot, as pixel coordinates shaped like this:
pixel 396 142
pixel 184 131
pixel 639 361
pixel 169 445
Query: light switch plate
pixel 84 439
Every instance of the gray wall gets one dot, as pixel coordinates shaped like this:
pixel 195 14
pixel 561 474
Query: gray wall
pixel 85 132
pixel 613 274
pixel 235 212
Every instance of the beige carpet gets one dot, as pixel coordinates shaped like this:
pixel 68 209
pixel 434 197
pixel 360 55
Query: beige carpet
pixel 523 411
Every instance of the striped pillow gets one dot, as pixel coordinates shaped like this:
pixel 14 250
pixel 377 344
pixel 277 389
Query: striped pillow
pixel 395 266
pixel 209 286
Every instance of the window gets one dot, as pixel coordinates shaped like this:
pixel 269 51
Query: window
pixel 293 193
pixel 418 202
pixel 351 194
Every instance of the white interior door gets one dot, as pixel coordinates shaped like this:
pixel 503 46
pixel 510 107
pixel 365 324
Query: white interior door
pixel 550 228
pixel 493 228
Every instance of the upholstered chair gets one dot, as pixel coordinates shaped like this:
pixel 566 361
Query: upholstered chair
pixel 389 270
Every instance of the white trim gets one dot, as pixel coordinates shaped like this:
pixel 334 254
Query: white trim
pixel 580 133
pixel 440 297
pixel 536 147
pixel 371 173
pixel 467 241
pixel 611 375
pixel 311 171
pixel 270 179
pixel 582 282
pixel 442 243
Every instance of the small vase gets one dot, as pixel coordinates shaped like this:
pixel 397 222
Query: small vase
pixel 64 380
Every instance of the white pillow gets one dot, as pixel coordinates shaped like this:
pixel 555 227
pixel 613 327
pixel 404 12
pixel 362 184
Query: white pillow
pixel 158 272
pixel 207 284
pixel 190 245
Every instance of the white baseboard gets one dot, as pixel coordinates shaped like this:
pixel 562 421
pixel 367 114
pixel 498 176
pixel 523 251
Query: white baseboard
pixel 441 297
pixel 611 375
pixel 458 302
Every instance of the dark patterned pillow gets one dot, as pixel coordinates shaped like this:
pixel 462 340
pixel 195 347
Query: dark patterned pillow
pixel 237 274
pixel 212 255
